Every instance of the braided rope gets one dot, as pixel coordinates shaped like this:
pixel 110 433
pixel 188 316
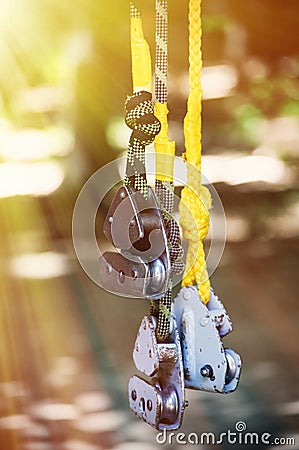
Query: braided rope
pixel 134 13
pixel 141 119
pixel 165 201
pixel 139 109
pixel 164 185
pixel 195 198
pixel 161 71
pixel 195 52
pixel 165 194
pixel 161 68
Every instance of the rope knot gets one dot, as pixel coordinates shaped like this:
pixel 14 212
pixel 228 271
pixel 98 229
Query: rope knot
pixel 140 117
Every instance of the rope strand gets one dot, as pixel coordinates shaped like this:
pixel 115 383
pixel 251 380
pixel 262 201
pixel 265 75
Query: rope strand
pixel 165 150
pixel 161 68
pixel 195 198
pixel 139 109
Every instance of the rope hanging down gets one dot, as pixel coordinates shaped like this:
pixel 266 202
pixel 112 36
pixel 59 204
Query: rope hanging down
pixel 165 151
pixel 161 69
pixel 169 355
pixel 195 198
pixel 139 109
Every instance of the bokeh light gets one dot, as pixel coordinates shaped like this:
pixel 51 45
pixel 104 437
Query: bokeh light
pixel 65 345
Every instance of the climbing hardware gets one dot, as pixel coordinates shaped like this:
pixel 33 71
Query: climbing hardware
pixel 179 343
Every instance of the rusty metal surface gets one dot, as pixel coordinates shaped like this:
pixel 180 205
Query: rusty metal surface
pixel 165 392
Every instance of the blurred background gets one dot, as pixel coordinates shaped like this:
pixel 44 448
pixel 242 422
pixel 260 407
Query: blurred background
pixel 65 345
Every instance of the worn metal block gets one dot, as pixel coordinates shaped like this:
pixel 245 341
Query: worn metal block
pixel 161 402
pixel 208 366
pixel 130 276
pixel 135 224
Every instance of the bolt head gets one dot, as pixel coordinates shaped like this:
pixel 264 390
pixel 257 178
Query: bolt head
pixel 206 371
pixel 204 321
pixel 108 269
pixel 187 294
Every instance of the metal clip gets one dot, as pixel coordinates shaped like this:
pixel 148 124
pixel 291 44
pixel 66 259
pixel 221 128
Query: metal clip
pixel 208 366
pixel 160 403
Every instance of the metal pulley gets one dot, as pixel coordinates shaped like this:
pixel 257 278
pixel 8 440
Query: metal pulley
pixel 160 402
pixel 208 366
pixel 130 276
pixel 135 226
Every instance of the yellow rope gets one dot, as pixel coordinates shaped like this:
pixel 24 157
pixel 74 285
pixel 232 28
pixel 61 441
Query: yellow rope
pixel 195 198
pixel 165 149
pixel 141 58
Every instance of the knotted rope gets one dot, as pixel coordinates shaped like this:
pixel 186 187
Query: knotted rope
pixel 141 119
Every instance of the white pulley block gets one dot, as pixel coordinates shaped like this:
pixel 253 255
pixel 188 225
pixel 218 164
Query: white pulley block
pixel 208 366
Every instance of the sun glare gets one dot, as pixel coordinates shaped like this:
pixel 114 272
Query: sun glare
pixel 39 265
pixel 35 179
pixel 34 144
pixel 217 82
pixel 4 4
